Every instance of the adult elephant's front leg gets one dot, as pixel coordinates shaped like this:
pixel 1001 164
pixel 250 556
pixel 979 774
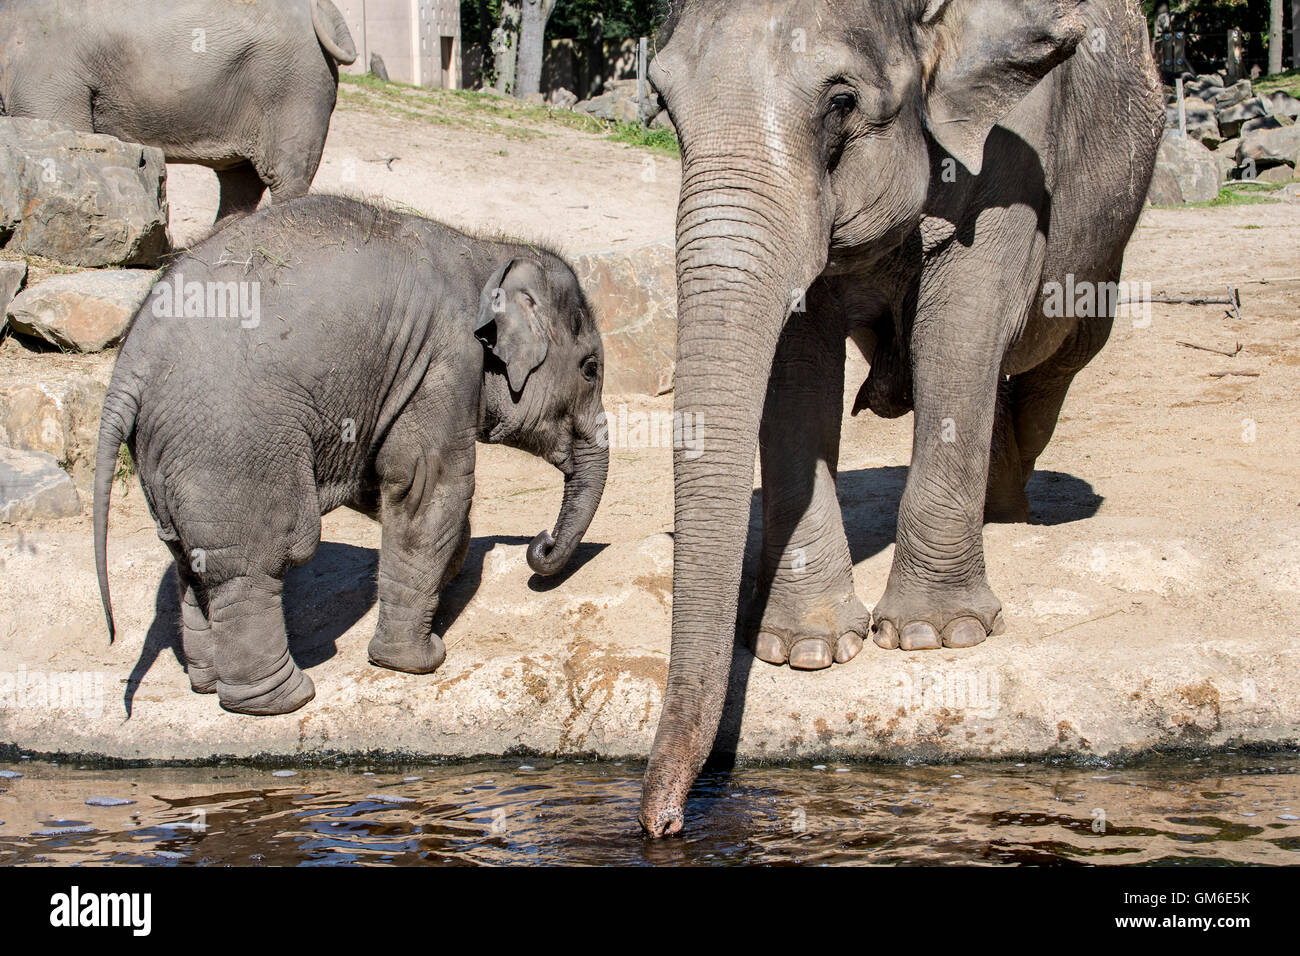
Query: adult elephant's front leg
pixel 938 593
pixel 803 609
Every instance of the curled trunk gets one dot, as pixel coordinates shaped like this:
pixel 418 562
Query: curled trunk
pixel 548 553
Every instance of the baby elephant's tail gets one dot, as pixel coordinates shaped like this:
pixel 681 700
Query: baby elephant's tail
pixel 115 427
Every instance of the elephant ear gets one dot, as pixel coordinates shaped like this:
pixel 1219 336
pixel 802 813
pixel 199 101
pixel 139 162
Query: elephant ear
pixel 983 57
pixel 508 323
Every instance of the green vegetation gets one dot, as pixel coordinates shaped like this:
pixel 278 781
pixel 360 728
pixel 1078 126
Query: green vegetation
pixel 1238 194
pixel 1288 82
pixel 489 113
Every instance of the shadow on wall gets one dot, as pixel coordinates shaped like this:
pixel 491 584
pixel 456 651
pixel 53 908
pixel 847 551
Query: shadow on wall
pixel 869 500
pixel 329 594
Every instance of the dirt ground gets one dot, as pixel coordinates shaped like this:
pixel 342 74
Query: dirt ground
pixel 1152 601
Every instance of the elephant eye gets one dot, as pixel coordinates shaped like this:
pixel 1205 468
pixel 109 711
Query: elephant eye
pixel 590 367
pixel 843 103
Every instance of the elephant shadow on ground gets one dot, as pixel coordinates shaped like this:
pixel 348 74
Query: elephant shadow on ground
pixel 326 597
pixel 869 500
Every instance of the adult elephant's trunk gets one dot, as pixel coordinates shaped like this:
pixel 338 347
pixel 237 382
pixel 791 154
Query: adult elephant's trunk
pixel 548 553
pixel 743 257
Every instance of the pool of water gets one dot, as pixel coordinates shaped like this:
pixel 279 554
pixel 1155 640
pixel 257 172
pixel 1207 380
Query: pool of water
pixel 1228 808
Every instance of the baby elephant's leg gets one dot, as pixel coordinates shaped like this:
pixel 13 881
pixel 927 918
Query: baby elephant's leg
pixel 196 637
pixel 255 673
pixel 426 524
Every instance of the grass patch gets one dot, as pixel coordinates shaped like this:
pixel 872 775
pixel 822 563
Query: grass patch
pixel 489 113
pixel 1239 194
pixel 1287 82
pixel 656 139
pixel 125 468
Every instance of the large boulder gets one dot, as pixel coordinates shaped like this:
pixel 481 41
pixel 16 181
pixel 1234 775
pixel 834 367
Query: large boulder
pixel 1229 96
pixel 81 312
pixel 1282 103
pixel 84 199
pixel 13 276
pixel 1270 147
pixel 1232 118
pixel 33 487
pixel 59 415
pixel 1185 172
pixel 634 296
pixel 618 103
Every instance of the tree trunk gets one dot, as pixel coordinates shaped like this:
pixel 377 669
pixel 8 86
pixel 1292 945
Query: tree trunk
pixel 532 45
pixel 1274 36
pixel 1295 35
pixel 505 46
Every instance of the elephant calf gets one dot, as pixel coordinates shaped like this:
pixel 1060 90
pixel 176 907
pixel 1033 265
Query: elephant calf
pixel 324 352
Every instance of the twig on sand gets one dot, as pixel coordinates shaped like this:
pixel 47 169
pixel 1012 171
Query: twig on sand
pixel 1207 348
pixel 1243 374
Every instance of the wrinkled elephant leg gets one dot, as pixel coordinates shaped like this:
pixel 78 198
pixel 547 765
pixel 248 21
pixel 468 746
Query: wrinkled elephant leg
pixel 938 593
pixel 1004 499
pixel 241 190
pixel 426 524
pixel 804 610
pixel 256 674
pixel 196 637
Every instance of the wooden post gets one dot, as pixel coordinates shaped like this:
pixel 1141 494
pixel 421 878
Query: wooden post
pixel 1182 109
pixel 641 49
pixel 1232 63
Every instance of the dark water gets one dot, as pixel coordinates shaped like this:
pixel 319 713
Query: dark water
pixel 1230 809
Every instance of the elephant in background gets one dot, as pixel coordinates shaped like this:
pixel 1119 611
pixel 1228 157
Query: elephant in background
pixel 245 87
pixel 912 175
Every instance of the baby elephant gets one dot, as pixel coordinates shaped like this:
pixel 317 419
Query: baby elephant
pixel 325 352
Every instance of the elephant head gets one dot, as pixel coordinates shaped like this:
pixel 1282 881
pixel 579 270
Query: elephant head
pixel 808 129
pixel 541 388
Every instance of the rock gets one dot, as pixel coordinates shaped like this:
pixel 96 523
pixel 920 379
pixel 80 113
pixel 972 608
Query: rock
pixel 377 67
pixel 634 297
pixel 1269 147
pixel 1265 122
pixel 1232 118
pixel 1225 157
pixel 84 199
pixel 563 99
pixel 1185 172
pixel 57 416
pixel 34 488
pixel 13 276
pixel 1201 124
pixel 1276 174
pixel 535 99
pixel 82 312
pixel 618 102
pixel 1290 192
pixel 1283 104
pixel 1229 96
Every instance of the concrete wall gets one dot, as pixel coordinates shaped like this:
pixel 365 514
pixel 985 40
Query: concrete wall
pixel 419 40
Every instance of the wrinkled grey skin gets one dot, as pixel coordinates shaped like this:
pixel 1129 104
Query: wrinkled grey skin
pixel 246 87
pixel 385 346
pixel 859 160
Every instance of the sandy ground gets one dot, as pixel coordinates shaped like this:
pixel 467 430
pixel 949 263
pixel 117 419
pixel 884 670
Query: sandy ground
pixel 1151 603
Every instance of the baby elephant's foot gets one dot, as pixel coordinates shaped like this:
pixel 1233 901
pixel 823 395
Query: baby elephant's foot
pixel 282 691
pixel 421 656
pixel 809 636
pixel 918 620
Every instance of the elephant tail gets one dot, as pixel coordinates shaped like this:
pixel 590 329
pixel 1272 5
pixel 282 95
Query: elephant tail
pixel 115 426
pixel 332 31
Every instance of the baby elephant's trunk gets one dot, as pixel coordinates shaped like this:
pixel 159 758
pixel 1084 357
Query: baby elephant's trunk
pixel 582 489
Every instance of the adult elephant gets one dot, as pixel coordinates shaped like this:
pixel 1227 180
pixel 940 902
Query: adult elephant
pixel 911 174
pixel 246 87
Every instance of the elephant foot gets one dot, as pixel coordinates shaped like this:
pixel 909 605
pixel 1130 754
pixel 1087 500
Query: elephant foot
pixel 810 637
pixel 412 657
pixel 918 620
pixel 283 691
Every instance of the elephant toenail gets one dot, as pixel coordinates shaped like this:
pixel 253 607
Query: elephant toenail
pixel 886 635
pixel 919 636
pixel 999 625
pixel 810 654
pixel 847 648
pixel 770 649
pixel 963 632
